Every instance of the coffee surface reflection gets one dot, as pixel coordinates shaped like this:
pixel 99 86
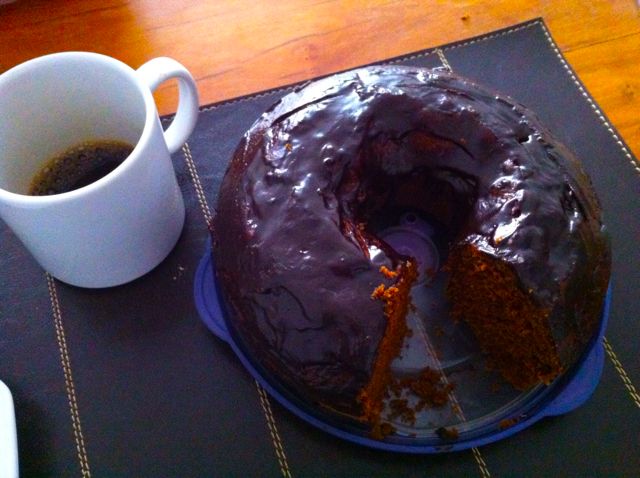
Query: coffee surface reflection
pixel 79 166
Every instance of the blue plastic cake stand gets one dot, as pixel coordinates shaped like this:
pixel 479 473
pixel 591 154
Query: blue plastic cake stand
pixel 575 391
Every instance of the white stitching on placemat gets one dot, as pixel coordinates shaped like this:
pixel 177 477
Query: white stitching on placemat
pixel 68 378
pixel 490 36
pixel 621 372
pixel 410 57
pixel 586 96
pixel 273 430
pixel 202 199
pixel 477 456
pixel 484 469
pixel 443 59
pixel 264 399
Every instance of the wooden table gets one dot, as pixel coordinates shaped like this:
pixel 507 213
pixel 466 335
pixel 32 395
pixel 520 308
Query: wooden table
pixel 235 47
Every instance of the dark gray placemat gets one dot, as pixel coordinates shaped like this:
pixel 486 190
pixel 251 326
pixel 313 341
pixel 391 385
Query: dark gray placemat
pixel 128 382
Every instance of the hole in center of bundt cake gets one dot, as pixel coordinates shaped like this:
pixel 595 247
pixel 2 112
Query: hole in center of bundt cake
pixel 412 177
pixel 385 204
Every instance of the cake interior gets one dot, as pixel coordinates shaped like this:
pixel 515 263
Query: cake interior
pixel 511 329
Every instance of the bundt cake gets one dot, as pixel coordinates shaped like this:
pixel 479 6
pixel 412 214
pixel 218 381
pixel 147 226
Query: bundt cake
pixel 318 299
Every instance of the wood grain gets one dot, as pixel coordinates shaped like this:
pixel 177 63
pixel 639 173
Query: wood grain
pixel 236 47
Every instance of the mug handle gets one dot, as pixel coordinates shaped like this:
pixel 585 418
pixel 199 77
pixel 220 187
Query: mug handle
pixel 156 71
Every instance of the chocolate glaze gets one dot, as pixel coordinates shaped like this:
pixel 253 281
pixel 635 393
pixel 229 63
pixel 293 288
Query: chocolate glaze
pixel 330 164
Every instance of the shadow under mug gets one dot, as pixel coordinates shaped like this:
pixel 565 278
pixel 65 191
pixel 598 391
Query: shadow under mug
pixel 121 226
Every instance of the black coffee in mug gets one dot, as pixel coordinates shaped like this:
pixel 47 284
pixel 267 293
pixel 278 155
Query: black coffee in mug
pixel 79 166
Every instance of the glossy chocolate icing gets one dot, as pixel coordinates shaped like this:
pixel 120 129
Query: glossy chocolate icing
pixel 329 165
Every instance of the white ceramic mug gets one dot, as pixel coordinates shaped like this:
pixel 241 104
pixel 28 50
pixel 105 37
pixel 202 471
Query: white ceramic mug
pixel 121 226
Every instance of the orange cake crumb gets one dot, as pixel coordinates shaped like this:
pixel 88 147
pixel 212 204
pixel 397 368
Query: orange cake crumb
pixel 507 423
pixel 448 433
pixel 388 273
pixel 396 304
pixel 429 387
pixel 378 292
